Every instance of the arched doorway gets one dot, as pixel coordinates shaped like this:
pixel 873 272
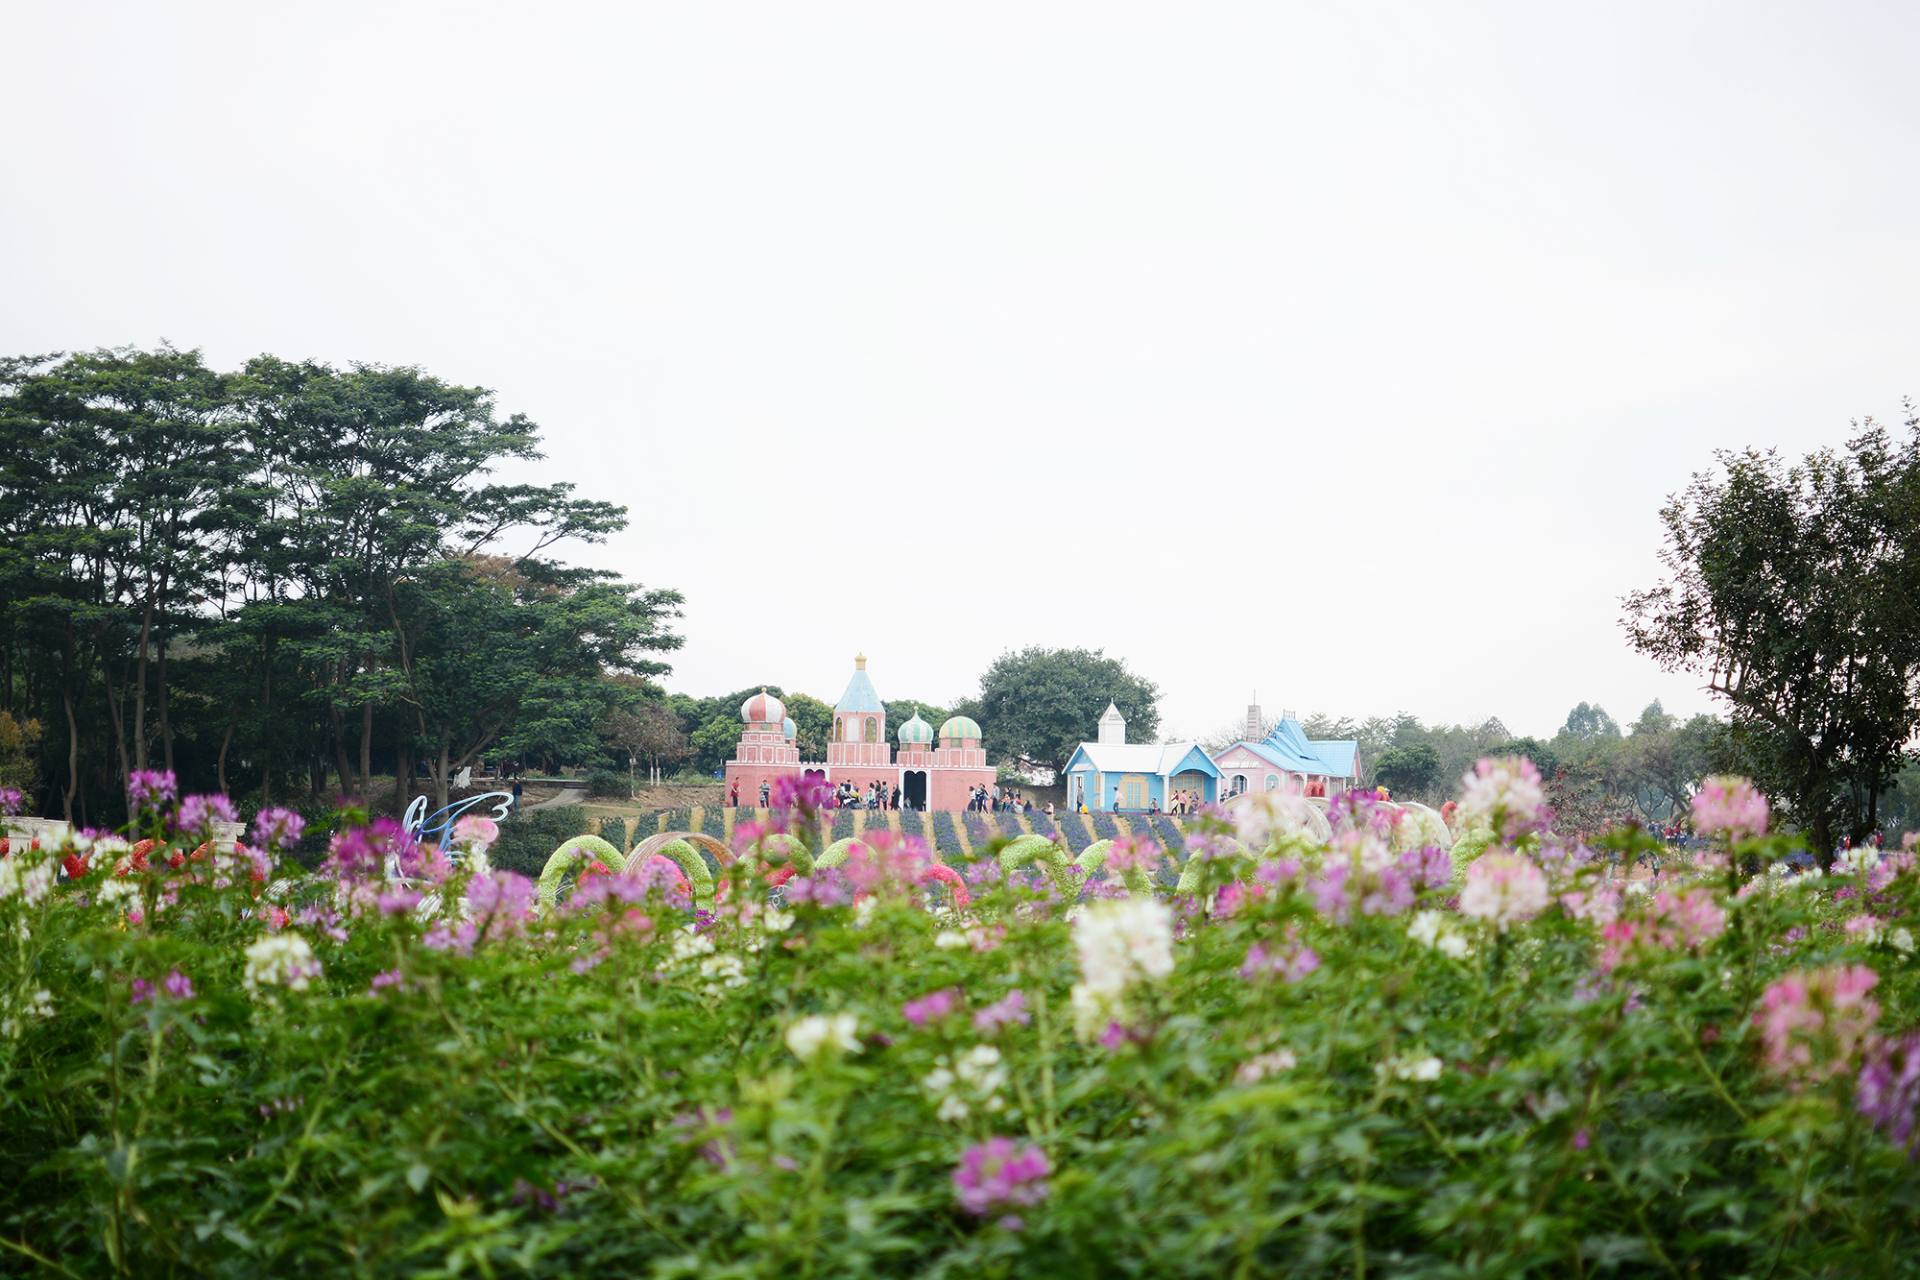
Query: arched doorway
pixel 913 788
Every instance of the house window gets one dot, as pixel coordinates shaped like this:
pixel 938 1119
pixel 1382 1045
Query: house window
pixel 872 728
pixel 1273 781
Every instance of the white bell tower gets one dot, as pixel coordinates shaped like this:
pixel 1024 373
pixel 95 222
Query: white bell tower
pixel 1113 727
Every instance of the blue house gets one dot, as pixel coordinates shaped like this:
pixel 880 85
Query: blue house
pixel 1115 775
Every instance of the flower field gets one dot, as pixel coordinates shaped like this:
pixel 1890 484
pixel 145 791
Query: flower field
pixel 1349 1042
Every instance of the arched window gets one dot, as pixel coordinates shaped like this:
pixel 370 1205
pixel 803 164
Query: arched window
pixel 1273 781
pixel 872 731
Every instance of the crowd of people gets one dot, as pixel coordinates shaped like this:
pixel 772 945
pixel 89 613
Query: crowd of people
pixel 1004 800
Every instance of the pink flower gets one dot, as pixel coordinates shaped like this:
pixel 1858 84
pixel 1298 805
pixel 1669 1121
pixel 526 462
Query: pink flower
pixel 1009 1010
pixel 397 901
pixel 997 1174
pixel 199 813
pixel 177 985
pixel 1506 794
pixel 1289 963
pixel 150 788
pixel 1812 1023
pixel 475 829
pixel 1730 805
pixel 930 1008
pixel 1503 889
pixel 277 828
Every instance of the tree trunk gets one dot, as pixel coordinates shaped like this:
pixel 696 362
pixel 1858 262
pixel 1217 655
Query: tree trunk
pixel 366 746
pixel 266 739
pixel 226 740
pixel 166 723
pixel 73 754
pixel 402 775
pixel 442 774
pixel 140 685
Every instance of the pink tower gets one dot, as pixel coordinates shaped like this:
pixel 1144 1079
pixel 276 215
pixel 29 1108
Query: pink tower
pixel 766 752
pixel 859 739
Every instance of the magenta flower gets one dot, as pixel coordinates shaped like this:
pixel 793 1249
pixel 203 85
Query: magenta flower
pixel 1887 1092
pixel 475 829
pixel 996 1174
pixel 150 788
pixel 199 813
pixel 1428 867
pixel 503 899
pixel 11 801
pixel 142 991
pixel 177 985
pixel 1730 805
pixel 397 901
pixel 384 979
pixel 1010 1010
pixel 930 1008
pixel 276 828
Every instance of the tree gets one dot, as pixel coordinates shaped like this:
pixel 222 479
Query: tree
pixel 1408 770
pixel 1588 722
pixel 1791 590
pixel 1037 705
pixel 650 730
pixel 1543 756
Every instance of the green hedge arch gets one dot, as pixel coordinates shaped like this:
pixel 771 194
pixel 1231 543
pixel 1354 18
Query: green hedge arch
pixel 1021 850
pixel 573 853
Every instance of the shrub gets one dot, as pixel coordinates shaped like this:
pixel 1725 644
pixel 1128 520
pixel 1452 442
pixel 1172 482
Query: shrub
pixel 608 784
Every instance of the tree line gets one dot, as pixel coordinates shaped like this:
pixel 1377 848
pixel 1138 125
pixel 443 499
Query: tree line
pixel 287 579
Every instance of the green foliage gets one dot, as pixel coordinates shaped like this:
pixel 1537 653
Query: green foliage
pixel 1409 770
pixel 1789 588
pixel 608 784
pixel 527 837
pixel 601 1097
pixel 1037 705
pixel 19 753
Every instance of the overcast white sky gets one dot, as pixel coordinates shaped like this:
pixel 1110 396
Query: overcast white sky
pixel 1341 351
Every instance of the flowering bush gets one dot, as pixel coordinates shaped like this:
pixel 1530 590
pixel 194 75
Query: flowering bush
pixel 1332 1054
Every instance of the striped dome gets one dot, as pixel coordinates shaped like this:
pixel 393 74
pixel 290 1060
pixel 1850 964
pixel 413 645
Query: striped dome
pixel 763 708
pixel 915 730
pixel 959 727
pixel 788 729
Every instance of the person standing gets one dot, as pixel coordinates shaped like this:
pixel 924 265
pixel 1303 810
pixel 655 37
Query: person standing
pixel 733 795
pixel 518 787
pixel 1116 798
pixel 765 793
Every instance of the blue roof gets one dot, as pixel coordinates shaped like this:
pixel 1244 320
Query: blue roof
pixel 859 695
pixel 1289 747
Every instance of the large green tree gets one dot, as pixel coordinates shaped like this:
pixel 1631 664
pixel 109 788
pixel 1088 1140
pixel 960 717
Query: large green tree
pixel 1038 704
pixel 1791 589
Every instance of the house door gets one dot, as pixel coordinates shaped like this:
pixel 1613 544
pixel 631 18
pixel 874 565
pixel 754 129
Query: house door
pixel 1135 792
pixel 913 789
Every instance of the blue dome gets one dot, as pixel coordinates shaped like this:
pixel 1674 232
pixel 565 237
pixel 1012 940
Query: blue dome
pixel 788 729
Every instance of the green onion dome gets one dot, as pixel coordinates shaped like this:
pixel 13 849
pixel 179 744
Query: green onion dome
pixel 959 728
pixel 916 732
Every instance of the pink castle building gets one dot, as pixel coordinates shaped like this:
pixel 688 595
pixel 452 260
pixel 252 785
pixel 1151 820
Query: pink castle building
pixel 929 776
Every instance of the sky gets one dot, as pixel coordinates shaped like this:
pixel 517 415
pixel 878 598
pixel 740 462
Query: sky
pixel 1342 353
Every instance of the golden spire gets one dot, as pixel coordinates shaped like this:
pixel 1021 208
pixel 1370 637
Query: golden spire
pixel 859 662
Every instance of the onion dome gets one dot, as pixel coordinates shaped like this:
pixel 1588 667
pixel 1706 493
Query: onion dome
pixel 763 708
pixel 860 696
pixel 788 729
pixel 916 732
pixel 959 728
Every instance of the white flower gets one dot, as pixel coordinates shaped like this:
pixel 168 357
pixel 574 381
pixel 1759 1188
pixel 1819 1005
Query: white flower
pixel 1432 929
pixel 478 862
pixel 280 959
pixel 1422 1067
pixel 1901 940
pixel 1856 860
pixel 689 946
pixel 1123 940
pixel 974 1079
pixel 1268 815
pixel 30 879
pixel 116 889
pixel 950 940
pixel 818 1031
pixel 41 1004
pixel 1093 1008
pixel 951 1109
pixel 1508 787
pixel 774 920
pixel 726 970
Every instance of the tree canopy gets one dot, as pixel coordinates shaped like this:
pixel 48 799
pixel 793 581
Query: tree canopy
pixel 266 575
pixel 1790 589
pixel 1038 704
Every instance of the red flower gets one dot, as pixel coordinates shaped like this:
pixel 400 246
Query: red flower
pixel 76 866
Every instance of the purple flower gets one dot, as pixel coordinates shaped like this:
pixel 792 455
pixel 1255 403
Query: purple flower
pixel 1289 963
pixel 397 901
pixel 458 938
pixel 1888 1089
pixel 503 897
pixel 1010 1010
pixel 142 991
pixel 827 888
pixel 997 1174
pixel 930 1008
pixel 10 801
pixel 277 828
pixel 384 979
pixel 199 813
pixel 177 985
pixel 150 788
pixel 1428 867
